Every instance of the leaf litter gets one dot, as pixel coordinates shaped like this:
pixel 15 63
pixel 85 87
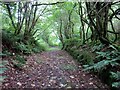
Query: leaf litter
pixel 52 69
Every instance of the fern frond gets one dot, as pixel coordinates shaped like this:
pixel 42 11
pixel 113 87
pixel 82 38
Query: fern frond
pixel 116 84
pixel 115 75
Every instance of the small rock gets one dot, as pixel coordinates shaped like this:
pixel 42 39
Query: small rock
pixel 72 77
pixel 48 85
pixel 35 63
pixel 33 85
pixel 51 72
pixel 53 77
pixel 90 78
pixel 19 83
pixel 91 83
pixel 27 76
pixel 12 78
pixel 52 81
pixel 82 85
pixel 43 84
pixel 77 85
pixel 83 74
pixel 62 85
pixel 69 87
pixel 6 84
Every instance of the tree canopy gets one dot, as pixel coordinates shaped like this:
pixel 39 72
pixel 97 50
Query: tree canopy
pixel 80 28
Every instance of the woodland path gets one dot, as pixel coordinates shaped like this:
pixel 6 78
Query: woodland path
pixel 51 69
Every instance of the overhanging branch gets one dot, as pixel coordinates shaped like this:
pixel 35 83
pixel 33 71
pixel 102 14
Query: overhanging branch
pixel 47 3
pixel 114 32
pixel 10 16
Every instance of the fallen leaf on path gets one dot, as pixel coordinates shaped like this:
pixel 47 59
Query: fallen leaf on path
pixel 63 85
pixel 18 83
pixel 69 87
pixel 91 83
pixel 54 71
pixel 72 77
pixel 33 85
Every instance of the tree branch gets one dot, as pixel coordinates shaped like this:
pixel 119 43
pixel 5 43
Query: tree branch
pixel 47 3
pixel 114 32
pixel 21 23
pixel 115 2
pixel 10 15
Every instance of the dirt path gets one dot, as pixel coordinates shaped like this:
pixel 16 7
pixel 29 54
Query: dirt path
pixel 53 69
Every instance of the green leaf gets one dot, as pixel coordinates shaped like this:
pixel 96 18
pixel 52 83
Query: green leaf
pixel 113 47
pixel 2 70
pixel 99 66
pixel 115 75
pixel 116 84
pixel 1 65
pixel 103 54
pixel 2 78
pixel 85 66
pixel 1 54
pixel 4 62
pixel 89 68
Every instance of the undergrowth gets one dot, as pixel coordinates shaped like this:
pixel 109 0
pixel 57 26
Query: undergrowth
pixel 15 47
pixel 99 59
pixel 107 59
pixel 2 67
pixel 17 44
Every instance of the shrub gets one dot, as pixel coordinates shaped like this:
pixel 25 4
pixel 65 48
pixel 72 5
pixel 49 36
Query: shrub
pixel 109 61
pixel 17 44
pixel 86 57
pixel 71 42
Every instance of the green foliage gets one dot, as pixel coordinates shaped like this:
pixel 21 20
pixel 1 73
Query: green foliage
pixel 97 47
pixel 86 57
pixel 19 61
pixel 5 52
pixel 2 54
pixel 48 28
pixel 53 49
pixel 43 45
pixel 104 64
pixel 21 47
pixel 116 84
pixel 16 43
pixel 8 38
pixel 75 53
pixel 68 67
pixel 2 70
pixel 2 78
pixel 83 56
pixel 38 47
pixel 109 61
pixel 115 76
pixel 71 42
